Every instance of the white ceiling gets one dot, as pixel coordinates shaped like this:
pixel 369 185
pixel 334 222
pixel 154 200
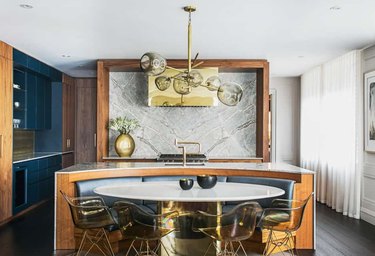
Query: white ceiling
pixel 294 35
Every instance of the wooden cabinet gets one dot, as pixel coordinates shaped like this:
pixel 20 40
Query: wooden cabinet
pixel 68 115
pixel 6 130
pixel 85 149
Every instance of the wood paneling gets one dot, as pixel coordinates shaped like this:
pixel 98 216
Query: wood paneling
pixel 68 121
pixel 222 64
pixel 262 138
pixel 102 111
pixel 301 192
pixel 6 130
pixel 67 159
pixel 85 148
pixel 259 66
pixel 6 51
pixel 65 182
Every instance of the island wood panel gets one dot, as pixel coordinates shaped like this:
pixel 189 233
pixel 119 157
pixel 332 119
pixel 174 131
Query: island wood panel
pixel 6 130
pixel 65 182
pixel 85 139
pixel 301 191
pixel 261 67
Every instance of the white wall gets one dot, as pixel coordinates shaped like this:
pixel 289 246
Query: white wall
pixel 288 93
pixel 368 176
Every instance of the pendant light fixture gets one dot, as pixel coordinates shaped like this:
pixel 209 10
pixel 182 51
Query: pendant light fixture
pixel 153 64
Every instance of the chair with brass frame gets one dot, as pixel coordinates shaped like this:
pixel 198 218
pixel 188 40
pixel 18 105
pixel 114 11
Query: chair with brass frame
pixel 229 228
pixel 136 224
pixel 283 216
pixel 92 215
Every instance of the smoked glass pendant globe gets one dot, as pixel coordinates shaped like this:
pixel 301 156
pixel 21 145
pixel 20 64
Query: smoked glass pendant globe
pixel 180 84
pixel 195 78
pixel 153 63
pixel 162 83
pixel 230 93
pixel 213 82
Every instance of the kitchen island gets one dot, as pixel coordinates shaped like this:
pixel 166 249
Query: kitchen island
pixel 66 178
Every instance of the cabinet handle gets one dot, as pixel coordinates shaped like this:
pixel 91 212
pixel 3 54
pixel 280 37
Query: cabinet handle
pixel 68 143
pixel 1 146
pixel 94 140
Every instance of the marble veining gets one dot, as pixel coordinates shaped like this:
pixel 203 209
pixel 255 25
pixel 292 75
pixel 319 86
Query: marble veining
pixel 223 131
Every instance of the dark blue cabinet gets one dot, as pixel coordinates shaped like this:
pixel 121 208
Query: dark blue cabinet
pixel 35 113
pixel 33 181
pixel 31 101
pixel 38 104
pixel 19 58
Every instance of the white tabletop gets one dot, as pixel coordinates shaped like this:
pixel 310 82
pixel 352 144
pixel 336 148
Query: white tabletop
pixel 171 191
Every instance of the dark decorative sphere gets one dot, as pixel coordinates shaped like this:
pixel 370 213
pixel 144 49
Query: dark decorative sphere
pixel 207 181
pixel 186 184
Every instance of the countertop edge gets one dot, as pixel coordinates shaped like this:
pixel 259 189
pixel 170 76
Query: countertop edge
pixel 48 154
pixel 266 167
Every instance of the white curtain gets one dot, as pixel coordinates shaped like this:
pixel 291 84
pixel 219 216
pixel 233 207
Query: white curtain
pixel 329 109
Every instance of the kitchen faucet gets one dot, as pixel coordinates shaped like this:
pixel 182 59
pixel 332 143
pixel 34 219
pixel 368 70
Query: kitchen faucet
pixel 177 143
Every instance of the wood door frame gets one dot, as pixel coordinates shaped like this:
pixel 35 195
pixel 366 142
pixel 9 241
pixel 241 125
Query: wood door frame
pixel 261 67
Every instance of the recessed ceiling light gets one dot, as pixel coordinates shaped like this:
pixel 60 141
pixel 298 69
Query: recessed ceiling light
pixel 65 56
pixel 26 6
pixel 301 56
pixel 335 8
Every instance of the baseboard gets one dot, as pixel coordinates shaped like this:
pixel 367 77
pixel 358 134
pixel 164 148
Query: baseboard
pixel 368 216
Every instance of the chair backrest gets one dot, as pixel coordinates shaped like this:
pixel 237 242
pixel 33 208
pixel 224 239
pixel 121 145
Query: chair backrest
pixel 86 188
pixel 237 224
pixel 89 212
pixel 284 215
pixel 136 223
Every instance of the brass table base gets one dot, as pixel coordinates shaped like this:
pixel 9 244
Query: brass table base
pixel 186 242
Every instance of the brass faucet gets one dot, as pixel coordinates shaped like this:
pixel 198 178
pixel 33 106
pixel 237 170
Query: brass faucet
pixel 177 143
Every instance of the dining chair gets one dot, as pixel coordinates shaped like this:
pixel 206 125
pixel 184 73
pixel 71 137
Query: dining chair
pixel 283 216
pixel 92 215
pixel 137 224
pixel 229 228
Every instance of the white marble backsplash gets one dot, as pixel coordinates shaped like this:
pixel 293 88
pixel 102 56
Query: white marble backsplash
pixel 223 131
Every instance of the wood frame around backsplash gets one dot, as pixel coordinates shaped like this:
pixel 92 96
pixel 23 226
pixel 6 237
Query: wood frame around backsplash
pixel 261 67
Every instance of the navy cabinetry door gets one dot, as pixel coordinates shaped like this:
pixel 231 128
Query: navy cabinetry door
pixel 31 101
pixel 19 58
pixel 40 102
pixel 33 64
pixel 25 185
pixel 47 105
pixel 44 69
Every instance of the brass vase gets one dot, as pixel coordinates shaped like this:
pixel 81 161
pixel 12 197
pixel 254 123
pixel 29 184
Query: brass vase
pixel 124 145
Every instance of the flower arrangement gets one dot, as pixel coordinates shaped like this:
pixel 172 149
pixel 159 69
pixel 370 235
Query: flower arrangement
pixel 123 125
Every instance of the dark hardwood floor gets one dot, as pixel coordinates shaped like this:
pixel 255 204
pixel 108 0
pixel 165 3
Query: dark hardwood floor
pixel 32 234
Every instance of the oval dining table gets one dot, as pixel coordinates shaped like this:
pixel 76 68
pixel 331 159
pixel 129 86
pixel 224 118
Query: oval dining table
pixel 171 197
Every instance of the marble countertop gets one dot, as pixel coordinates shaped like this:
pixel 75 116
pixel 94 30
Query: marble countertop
pixel 100 166
pixel 36 155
